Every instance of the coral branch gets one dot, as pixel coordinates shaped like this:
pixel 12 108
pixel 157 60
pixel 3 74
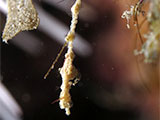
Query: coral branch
pixel 68 71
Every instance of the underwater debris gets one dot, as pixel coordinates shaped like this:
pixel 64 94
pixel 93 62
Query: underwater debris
pixel 69 74
pixel 22 15
pixel 68 71
pixel 134 11
pixel 127 14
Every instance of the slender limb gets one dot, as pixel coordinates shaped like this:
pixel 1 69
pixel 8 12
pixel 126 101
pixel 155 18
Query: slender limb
pixel 142 23
pixel 139 70
pixel 136 10
pixel 138 30
pixel 57 100
pixel 141 1
pixel 54 62
pixel 141 76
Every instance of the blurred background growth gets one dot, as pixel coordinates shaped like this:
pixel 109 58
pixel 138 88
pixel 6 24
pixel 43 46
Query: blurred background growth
pixel 114 83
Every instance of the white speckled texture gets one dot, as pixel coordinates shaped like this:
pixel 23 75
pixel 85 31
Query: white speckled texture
pixel 21 16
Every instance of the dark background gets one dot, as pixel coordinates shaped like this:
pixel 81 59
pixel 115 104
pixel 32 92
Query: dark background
pixel 23 73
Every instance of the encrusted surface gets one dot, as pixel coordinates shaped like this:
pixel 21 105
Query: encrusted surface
pixel 21 16
pixel 68 71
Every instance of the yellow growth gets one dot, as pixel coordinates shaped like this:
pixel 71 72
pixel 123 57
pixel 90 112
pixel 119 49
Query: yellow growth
pixel 69 73
pixel 21 16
